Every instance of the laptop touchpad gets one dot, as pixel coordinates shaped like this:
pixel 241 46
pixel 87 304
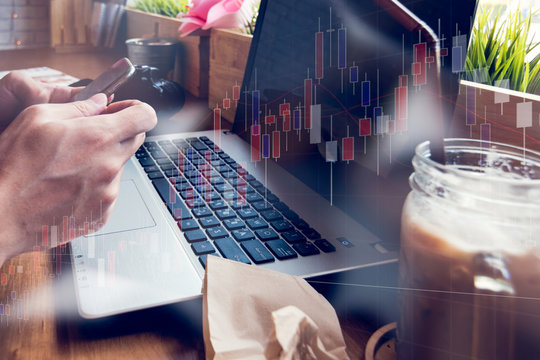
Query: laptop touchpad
pixel 130 211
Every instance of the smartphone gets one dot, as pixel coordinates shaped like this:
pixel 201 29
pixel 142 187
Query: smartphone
pixel 108 81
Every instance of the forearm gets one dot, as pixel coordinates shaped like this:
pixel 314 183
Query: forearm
pixel 8 236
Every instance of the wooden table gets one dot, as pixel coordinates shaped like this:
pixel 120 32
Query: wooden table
pixel 43 322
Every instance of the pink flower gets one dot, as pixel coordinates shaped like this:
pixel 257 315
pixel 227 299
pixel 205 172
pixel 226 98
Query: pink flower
pixel 206 14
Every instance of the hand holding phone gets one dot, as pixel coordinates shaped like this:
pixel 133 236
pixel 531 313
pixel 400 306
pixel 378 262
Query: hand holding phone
pixel 108 81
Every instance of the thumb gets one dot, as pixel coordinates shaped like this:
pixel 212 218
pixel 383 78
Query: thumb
pixel 95 105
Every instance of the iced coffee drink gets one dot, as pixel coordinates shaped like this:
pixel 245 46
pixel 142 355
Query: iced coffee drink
pixel 470 261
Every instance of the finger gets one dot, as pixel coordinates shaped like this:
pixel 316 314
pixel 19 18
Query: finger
pixel 129 146
pixel 78 109
pixel 119 106
pixel 130 121
pixel 63 94
pixel 113 187
pixel 25 89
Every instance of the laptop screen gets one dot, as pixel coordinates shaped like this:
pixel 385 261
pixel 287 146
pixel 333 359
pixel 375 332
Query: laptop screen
pixel 333 93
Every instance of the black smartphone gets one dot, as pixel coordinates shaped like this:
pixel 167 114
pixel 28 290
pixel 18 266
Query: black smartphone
pixel 108 81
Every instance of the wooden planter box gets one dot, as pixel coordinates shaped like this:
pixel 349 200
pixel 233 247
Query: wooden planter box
pixel 228 56
pixel 191 68
pixel 501 115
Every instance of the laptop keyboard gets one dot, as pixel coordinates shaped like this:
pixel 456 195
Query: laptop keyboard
pixel 221 208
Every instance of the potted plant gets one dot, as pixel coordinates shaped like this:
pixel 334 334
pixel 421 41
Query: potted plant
pixel 232 26
pixel 159 18
pixel 500 51
pixel 502 71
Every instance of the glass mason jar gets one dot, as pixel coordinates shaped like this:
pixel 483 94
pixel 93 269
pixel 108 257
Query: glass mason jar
pixel 469 258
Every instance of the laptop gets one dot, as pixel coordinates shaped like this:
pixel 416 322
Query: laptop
pixel 313 175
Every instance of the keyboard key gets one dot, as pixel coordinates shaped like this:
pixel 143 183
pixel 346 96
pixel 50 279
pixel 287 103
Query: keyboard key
pixel 208 221
pixel 146 161
pixel 210 196
pixel 217 232
pixel 191 174
pixel 198 162
pixel 254 197
pixel 226 213
pixel 238 204
pixel 194 235
pixel 233 224
pixel 202 212
pixel 281 225
pixel 261 190
pixel 211 175
pixel 299 223
pixel 154 175
pixel 306 248
pixel 311 234
pixel 257 252
pixel 188 193
pixel 158 154
pixel 229 174
pixel 164 162
pixel 203 187
pixel 202 259
pixel 189 224
pixel 172 172
pixel 197 180
pixel 247 213
pixel 261 205
pixel 255 183
pixel 230 250
pixel 293 236
pixel 172 151
pixel 141 152
pixel 218 163
pixel 218 204
pixel 196 202
pixel 186 166
pixel 202 247
pixel 271 215
pixel 289 214
pixel 183 186
pixel 266 234
pixel 325 245
pixel 199 146
pixel 242 235
pixel 280 249
pixel 168 166
pixel 271 197
pixel 230 195
pixel 151 168
pixel 238 182
pixel 180 142
pixel 223 168
pixel 223 187
pixel 256 223
pixel 171 198
pixel 216 181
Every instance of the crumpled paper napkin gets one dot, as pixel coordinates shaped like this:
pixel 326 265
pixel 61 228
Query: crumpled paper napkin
pixel 255 313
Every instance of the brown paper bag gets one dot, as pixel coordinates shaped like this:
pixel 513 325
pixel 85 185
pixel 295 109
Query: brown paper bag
pixel 238 321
